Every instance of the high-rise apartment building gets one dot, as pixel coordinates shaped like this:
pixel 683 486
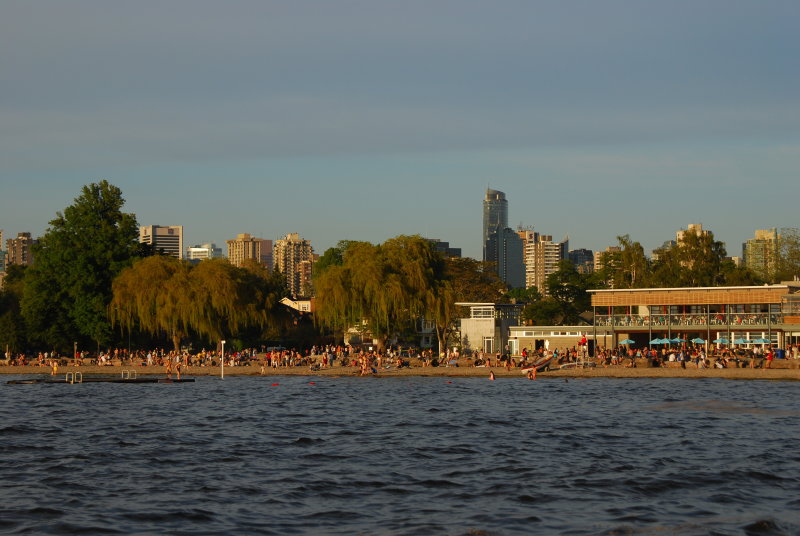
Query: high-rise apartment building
pixel 165 239
pixel 289 254
pixel 495 216
pixel 542 256
pixel 582 259
pixel 245 247
pixel 696 228
pixel 202 252
pixel 18 250
pixel 444 248
pixel 762 252
pixel 606 258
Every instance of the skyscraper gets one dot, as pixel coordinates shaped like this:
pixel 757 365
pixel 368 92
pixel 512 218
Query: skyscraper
pixel 505 248
pixel 495 216
pixel 289 254
pixel 164 238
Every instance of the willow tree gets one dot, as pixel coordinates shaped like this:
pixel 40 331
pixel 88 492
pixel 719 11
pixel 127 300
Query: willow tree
pixel 388 287
pixel 213 299
pixel 153 295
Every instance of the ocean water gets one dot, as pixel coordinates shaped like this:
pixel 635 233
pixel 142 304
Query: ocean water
pixel 321 455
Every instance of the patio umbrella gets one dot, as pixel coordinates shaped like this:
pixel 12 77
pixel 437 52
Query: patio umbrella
pixel 762 340
pixel 677 340
pixel 664 341
pixel 655 341
pixel 698 340
pixel 741 341
pixel 627 341
pixel 721 340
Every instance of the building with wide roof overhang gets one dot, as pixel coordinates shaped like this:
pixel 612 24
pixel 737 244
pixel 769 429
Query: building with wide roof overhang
pixel 769 312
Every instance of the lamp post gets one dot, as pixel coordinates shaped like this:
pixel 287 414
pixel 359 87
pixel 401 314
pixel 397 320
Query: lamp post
pixel 222 362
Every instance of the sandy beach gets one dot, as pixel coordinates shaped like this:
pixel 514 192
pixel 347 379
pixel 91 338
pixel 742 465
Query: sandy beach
pixel 781 370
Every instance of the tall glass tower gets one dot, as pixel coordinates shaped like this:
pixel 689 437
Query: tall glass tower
pixel 495 217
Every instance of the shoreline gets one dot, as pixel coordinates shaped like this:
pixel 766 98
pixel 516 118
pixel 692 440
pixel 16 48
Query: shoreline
pixel 784 373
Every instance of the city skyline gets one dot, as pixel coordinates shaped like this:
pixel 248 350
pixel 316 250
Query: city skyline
pixel 364 121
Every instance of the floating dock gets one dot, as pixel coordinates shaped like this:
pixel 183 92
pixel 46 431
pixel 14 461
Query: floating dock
pixel 77 377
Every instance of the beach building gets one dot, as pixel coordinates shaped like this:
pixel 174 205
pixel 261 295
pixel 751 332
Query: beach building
pixel 487 326
pixel 290 253
pixel 167 239
pixel 245 247
pixel 305 305
pixel 19 250
pixel 733 315
pixel 533 338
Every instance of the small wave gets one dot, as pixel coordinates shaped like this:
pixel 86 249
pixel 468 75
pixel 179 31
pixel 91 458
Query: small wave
pixel 764 527
pixel 308 440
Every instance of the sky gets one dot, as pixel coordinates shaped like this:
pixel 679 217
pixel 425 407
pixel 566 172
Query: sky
pixel 364 120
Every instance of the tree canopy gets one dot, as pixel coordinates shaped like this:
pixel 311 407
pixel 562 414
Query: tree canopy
pixel 68 288
pixel 214 299
pixel 387 286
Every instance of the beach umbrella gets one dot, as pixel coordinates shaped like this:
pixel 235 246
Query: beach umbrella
pixel 677 340
pixel 627 341
pixel 741 341
pixel 762 340
pixel 721 340
pixel 698 340
pixel 655 341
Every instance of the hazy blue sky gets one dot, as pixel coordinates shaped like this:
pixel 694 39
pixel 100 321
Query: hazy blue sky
pixel 367 119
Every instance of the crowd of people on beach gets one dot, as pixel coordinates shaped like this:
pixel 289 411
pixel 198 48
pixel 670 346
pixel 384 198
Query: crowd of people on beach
pixel 370 361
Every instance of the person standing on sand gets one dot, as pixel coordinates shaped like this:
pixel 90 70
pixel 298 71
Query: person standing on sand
pixel 770 357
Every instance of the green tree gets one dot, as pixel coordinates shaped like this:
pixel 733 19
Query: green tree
pixel 464 280
pixel 788 255
pixel 567 297
pixel 696 261
pixel 625 267
pixel 568 288
pixel 332 257
pixel 68 288
pixel 12 325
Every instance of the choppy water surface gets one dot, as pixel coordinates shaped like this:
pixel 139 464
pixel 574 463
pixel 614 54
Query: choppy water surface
pixel 295 455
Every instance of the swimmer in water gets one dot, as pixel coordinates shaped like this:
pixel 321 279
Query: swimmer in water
pixel 491 374
pixel 532 374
